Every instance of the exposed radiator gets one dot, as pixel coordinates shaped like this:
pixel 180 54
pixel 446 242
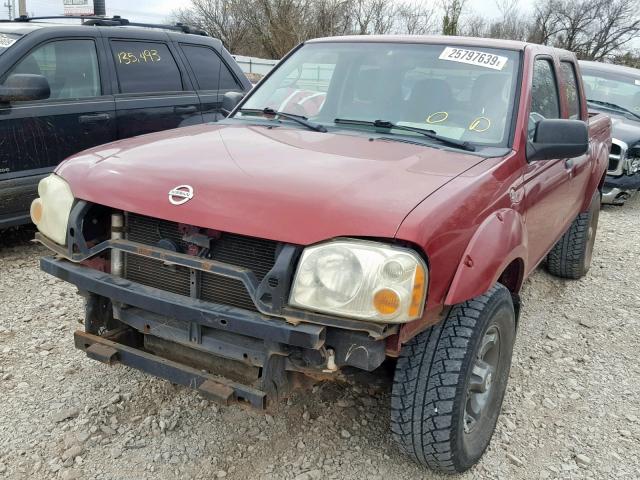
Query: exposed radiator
pixel 255 254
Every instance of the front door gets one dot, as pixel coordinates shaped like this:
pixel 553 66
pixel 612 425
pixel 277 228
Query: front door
pixel 36 136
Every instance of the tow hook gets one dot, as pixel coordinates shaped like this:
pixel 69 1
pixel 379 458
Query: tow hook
pixel 331 361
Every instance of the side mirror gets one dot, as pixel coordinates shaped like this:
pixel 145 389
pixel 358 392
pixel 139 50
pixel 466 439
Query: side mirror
pixel 231 101
pixel 558 138
pixel 22 87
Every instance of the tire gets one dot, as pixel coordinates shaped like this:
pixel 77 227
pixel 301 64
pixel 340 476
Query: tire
pixel 432 384
pixel 571 256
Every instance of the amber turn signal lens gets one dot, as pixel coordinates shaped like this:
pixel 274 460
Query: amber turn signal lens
pixel 36 211
pixel 417 295
pixel 386 301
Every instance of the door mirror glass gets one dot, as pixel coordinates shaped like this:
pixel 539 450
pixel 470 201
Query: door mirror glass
pixel 22 87
pixel 231 101
pixel 558 138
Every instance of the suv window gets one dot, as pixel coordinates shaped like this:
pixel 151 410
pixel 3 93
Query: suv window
pixel 70 66
pixel 145 67
pixel 544 94
pixel 568 73
pixel 210 71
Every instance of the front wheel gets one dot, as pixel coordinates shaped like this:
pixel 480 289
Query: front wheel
pixel 450 381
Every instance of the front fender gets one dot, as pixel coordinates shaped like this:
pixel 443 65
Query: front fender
pixel 497 242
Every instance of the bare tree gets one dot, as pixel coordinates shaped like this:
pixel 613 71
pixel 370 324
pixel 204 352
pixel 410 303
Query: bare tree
pixel 615 26
pixel 544 23
pixel 330 17
pixel 511 25
pixel 222 19
pixel 475 26
pixel 415 18
pixel 594 29
pixel 452 13
pixel 372 16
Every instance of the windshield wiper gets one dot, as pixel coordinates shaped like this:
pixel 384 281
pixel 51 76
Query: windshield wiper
pixel 451 142
pixel 289 116
pixel 613 106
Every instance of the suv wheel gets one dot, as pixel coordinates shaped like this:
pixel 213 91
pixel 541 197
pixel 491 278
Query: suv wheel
pixel 450 381
pixel 571 256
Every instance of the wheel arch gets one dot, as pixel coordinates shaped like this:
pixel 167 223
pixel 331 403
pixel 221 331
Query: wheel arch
pixel 496 253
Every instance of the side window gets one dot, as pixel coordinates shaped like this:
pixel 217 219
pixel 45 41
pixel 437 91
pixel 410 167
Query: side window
pixel 568 72
pixel 544 94
pixel 70 66
pixel 145 67
pixel 210 71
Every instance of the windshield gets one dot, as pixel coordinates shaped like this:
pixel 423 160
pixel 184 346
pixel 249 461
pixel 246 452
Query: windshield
pixel 458 93
pixel 613 88
pixel 6 40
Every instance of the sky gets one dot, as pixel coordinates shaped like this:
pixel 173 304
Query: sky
pixel 150 11
pixel 154 11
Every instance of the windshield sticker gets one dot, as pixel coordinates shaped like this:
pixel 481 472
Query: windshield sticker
pixel 437 117
pixel 637 82
pixel 6 42
pixel 474 57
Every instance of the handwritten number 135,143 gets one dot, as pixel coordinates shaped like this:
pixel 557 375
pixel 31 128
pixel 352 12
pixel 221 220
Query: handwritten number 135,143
pixel 146 56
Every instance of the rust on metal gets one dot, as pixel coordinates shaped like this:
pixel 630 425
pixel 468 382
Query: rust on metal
pixel 102 353
pixel 216 391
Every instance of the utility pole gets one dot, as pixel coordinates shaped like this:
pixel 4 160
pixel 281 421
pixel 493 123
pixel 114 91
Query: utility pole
pixel 9 6
pixel 22 8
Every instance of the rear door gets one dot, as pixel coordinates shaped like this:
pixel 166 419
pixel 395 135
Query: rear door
pixel 548 197
pixel 580 171
pixel 36 136
pixel 213 78
pixel 153 91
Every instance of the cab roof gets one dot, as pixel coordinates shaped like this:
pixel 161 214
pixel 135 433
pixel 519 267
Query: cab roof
pixel 428 39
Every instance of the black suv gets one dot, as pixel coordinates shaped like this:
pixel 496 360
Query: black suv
pixel 65 88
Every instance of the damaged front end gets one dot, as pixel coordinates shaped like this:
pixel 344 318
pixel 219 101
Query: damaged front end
pixel 202 308
pixel 623 173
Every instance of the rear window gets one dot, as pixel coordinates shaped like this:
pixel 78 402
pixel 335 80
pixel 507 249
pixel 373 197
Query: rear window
pixel 6 40
pixel 210 71
pixel 145 67
pixel 571 84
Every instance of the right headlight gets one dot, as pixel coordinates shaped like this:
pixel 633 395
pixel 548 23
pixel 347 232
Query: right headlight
pixel 633 161
pixel 361 279
pixel 50 212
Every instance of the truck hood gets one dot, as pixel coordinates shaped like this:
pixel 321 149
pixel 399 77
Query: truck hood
pixel 279 183
pixel 622 127
pixel 626 130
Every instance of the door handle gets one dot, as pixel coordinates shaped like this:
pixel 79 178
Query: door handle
pixel 99 117
pixel 185 109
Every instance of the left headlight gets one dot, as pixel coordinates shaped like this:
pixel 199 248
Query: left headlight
pixel 359 279
pixel 50 212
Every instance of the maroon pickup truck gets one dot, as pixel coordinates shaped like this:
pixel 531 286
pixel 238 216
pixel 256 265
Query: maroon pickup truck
pixel 373 199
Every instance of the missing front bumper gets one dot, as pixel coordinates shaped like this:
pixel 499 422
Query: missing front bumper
pixel 182 339
pixel 216 388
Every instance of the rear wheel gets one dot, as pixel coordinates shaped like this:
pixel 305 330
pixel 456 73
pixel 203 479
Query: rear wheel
pixel 571 256
pixel 450 381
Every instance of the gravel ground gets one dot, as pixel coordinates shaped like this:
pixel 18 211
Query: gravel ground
pixel 572 408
